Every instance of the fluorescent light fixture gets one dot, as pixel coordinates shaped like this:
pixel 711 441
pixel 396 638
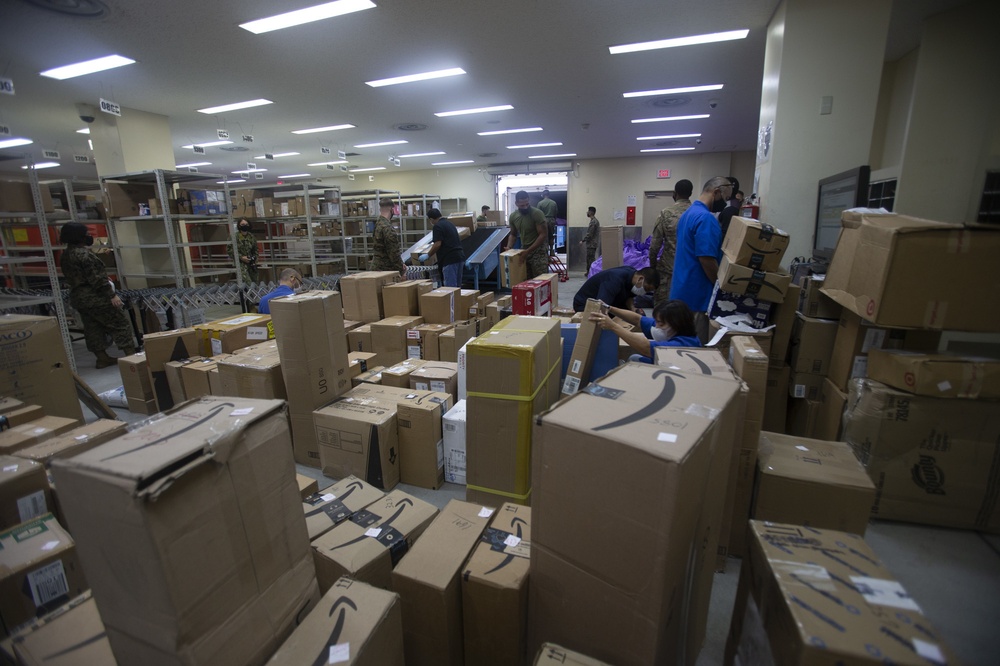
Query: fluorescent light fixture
pixel 90 143
pixel 234 180
pixel 10 143
pixel 439 152
pixel 42 165
pixel 535 145
pixel 87 67
pixel 698 116
pixel 668 136
pixel 545 157
pixel 329 128
pixel 450 163
pixel 325 163
pixel 248 171
pixel 368 169
pixel 85 130
pixel 380 143
pixel 307 15
pixel 207 144
pixel 673 91
pixel 510 131
pixel 664 150
pixel 261 157
pixel 483 109
pixel 410 78
pixel 679 41
pixel 193 164
pixel 236 105
pixel 296 175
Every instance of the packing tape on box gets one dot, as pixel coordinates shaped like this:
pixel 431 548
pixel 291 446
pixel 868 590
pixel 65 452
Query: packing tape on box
pixel 514 496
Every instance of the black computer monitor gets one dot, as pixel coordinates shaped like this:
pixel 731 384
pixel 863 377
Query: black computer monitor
pixel 836 194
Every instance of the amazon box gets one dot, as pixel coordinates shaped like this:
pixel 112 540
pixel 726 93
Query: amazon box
pixel 34 432
pixel 367 547
pixel 70 443
pixel 438 306
pixel 766 286
pixel 811 482
pixel 363 294
pixel 936 375
pixel 811 596
pixel 70 635
pixel 357 436
pixel 150 557
pixel 389 337
pixel 24 491
pixel 337 503
pixel 34 367
pixel 429 586
pixel 225 336
pixel 753 244
pixel 353 623
pixel 495 590
pixel 403 298
pixel 161 348
pixel 424 341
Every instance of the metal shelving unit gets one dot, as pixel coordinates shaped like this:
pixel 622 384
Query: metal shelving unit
pixel 413 217
pixel 357 236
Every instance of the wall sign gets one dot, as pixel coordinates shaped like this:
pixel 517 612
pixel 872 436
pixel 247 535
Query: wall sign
pixel 7 86
pixel 341 155
pixel 81 159
pixel 251 165
pixel 4 130
pixel 198 150
pixel 248 138
pixel 223 134
pixel 111 107
pixel 50 154
pixel 323 150
pixel 663 173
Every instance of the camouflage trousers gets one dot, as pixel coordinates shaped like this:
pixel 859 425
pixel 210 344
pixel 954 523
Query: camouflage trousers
pixel 663 291
pixel 101 320
pixel 591 257
pixel 537 263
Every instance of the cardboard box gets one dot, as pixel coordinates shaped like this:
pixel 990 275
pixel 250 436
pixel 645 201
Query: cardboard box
pixel 389 338
pixel 880 272
pixel 337 503
pixel 754 244
pixel 766 286
pixel 937 375
pixel 34 432
pixel 813 483
pixel 438 306
pixel 360 339
pixel 450 341
pixel 71 634
pixel 930 458
pixel 172 369
pixel 805 385
pixel 196 379
pixel 532 298
pixel 79 439
pixel 776 398
pixel 135 376
pixel 137 406
pixel 372 376
pixel 612 247
pixel 227 335
pixel 465 301
pixel 24 491
pixel 353 623
pixel 582 359
pixel 363 294
pixel 161 348
pixel 553 280
pixel 422 342
pixel 831 412
pixel 307 485
pixel 649 566
pixel 812 344
pixel 358 436
pixel 720 339
pixel 360 362
pixel 724 304
pixel 809 596
pixel 256 373
pixel 551 654
pixel 429 586
pixel 150 558
pixel 453 426
pixel 368 552
pixel 34 368
pixel 813 302
pixel 512 270
pixel 512 374
pixel 783 318
pixel 122 200
pixel 495 590
pixel 403 299
pixel 856 337
pixel 437 376
pixel 39 570
pixel 22 415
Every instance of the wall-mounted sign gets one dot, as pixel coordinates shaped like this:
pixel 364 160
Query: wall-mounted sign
pixel 341 155
pixel 4 130
pixel 268 156
pixel 259 176
pixel 198 150
pixel 248 138
pixel 251 165
pixel 50 154
pixel 81 159
pixel 323 150
pixel 7 86
pixel 223 134
pixel 663 173
pixel 111 107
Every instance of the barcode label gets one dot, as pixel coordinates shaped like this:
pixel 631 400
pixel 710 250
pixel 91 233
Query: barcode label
pixel 32 506
pixel 48 583
pixel 571 385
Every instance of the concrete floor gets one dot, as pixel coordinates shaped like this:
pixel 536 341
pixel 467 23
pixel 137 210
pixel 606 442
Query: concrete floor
pixel 954 575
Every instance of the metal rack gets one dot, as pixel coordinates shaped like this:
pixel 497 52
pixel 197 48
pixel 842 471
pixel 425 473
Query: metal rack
pixel 363 250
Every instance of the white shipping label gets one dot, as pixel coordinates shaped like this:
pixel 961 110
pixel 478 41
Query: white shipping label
pixel 512 541
pixel 422 386
pixel 339 653
pixel 50 545
pixel 241 412
pixel 577 364
pixel 439 385
pixel 929 651
pixel 216 346
pixel 373 532
pixel 874 338
pixel 800 391
pixel 328 497
pixel 10 468
pixel 31 506
pixel 944 386
pixel 571 385
pixel 882 592
pixel 485 512
pixel 256 333
pixel 860 367
pixel 666 437
pixel 413 351
pixel 48 583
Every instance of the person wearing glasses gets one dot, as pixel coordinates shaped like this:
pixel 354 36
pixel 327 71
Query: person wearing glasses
pixel 699 249
pixel 289 281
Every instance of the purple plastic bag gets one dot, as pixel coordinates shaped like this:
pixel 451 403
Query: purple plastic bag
pixel 634 254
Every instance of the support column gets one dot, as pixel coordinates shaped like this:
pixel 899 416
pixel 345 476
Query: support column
pixel 137 141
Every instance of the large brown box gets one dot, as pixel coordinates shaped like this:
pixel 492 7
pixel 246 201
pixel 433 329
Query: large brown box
pixel 326 509
pixel 512 271
pixel 368 547
pixel 452 340
pixel 34 367
pixel 389 337
pixel 424 341
pixel 430 589
pixel 783 318
pixel 161 348
pixel 15 197
pixel 932 459
pixel 581 360
pixel 813 302
pixel 765 286
pixel 197 377
pixel 222 584
pixel 135 376
pixel 403 299
pixel 809 596
pixel 24 491
pixel 256 373
pixel 831 412
pixel 72 442
pixel 353 623
pixel 399 374
pixel 625 454
pixel 439 306
pixel 880 272
pixel 357 435
pixel 123 199
pixel 360 339
pixel 225 336
pixel 495 590
pixel 812 344
pixel 439 376
pixel 466 304
pixel 612 247
pixel 813 483
pixel 363 294
pixel 776 398
pixel 70 635
pixel 754 244
pixel 936 375
pixel 34 432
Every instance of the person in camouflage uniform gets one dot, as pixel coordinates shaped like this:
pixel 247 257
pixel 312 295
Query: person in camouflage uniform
pixel 550 209
pixel 385 240
pixel 665 236
pixel 92 295
pixel 591 238
pixel 246 245
pixel 528 224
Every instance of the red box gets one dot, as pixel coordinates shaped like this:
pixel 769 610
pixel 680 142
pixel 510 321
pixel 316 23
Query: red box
pixel 532 297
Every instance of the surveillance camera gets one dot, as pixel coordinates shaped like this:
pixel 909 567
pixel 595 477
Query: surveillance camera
pixel 697 141
pixel 86 112
pixel 713 103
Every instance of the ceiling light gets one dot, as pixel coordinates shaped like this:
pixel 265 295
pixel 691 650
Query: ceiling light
pixel 484 109
pixel 664 150
pixel 329 128
pixel 535 145
pixel 439 152
pixel 450 163
pixel 368 169
pixel 668 136
pixel 85 130
pixel 543 157
pixel 249 171
pixel 296 175
pixel 42 165
pixel 263 157
pixel 10 143
pixel 410 78
pixel 236 105
pixel 380 143
pixel 325 163
pixel 673 91
pixel 87 67
pixel 662 120
pixel 207 144
pixel 90 142
pixel 234 180
pixel 192 164
pixel 679 41
pixel 510 131
pixel 307 15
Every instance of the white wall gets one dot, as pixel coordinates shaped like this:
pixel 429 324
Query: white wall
pixel 451 182
pixel 137 141
pixel 893 114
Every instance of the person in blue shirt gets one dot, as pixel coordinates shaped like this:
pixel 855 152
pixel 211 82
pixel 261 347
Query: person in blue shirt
pixel 617 286
pixel 672 325
pixel 289 280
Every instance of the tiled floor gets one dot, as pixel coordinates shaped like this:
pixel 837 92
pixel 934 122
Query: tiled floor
pixel 954 575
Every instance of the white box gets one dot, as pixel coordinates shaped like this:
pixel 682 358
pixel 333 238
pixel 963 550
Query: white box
pixel 453 425
pixel 462 362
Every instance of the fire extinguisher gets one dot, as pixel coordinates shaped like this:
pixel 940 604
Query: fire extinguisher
pixel 751 209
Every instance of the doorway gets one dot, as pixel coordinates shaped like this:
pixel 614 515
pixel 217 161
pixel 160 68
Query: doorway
pixel 653 203
pixel 557 185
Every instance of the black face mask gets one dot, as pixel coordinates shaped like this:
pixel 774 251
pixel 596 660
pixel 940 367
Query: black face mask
pixel 718 205
pixel 245 229
pixel 89 240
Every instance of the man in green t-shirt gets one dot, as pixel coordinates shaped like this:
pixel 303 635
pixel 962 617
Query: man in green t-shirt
pixel 550 209
pixel 482 216
pixel 528 224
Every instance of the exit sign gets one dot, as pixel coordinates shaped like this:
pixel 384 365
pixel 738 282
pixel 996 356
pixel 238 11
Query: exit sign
pixel 663 173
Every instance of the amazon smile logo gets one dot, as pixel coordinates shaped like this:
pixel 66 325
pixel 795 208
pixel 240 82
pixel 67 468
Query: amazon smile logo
pixel 660 402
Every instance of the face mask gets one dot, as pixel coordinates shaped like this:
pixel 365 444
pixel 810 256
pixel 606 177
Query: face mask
pixel 245 229
pixel 637 290
pixel 661 335
pixel 89 241
pixel 718 205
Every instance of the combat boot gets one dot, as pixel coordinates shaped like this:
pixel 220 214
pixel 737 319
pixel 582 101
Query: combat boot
pixel 103 360
pixel 128 351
